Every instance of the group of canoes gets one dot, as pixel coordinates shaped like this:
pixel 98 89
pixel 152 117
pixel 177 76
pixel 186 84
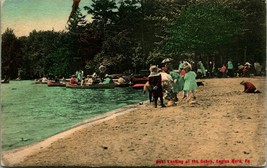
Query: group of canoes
pixel 90 82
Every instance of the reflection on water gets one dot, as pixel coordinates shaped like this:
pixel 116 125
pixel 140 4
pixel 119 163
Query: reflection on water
pixel 32 112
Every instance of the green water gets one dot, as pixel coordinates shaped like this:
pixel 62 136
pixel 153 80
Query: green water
pixel 32 112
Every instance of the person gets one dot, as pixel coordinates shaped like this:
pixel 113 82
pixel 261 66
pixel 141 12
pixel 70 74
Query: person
pixel 121 81
pixel 57 79
pixel 240 68
pixel 107 79
pixel 181 66
pixel 249 87
pixel 44 79
pixel 102 70
pixel 190 83
pixel 78 75
pixel 186 63
pixel 223 71
pixel 201 69
pixel 246 70
pixel 258 68
pixel 148 88
pixel 73 80
pixel 181 80
pixel 154 80
pixel 88 80
pixel 211 69
pixel 175 86
pixel 230 69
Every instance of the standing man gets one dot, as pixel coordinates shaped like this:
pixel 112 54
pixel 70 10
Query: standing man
pixel 156 85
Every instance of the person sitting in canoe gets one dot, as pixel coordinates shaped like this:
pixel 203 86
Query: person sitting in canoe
pixel 88 80
pixel 107 79
pixel 57 79
pixel 120 81
pixel 73 81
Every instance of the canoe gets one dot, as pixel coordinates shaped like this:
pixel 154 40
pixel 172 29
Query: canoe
pixel 94 86
pixel 55 84
pixel 139 80
pixel 138 86
pixel 122 85
pixel 39 82
pixel 3 81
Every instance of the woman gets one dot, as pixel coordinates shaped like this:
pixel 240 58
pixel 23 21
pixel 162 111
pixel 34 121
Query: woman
pixel 190 83
pixel 176 84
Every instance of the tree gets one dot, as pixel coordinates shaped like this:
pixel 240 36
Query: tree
pixel 203 27
pixel 10 54
pixel 251 44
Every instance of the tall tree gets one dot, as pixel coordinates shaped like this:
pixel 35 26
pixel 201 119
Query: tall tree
pixel 252 41
pixel 76 28
pixel 10 54
pixel 203 27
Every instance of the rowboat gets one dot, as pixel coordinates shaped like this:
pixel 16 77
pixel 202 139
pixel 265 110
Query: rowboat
pixel 53 84
pixel 93 86
pixel 4 81
pixel 122 85
pixel 138 86
pixel 40 82
pixel 139 80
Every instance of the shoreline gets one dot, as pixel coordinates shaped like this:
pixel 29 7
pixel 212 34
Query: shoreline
pixel 17 155
pixel 224 124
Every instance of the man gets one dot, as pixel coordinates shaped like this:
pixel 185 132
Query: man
pixel 155 83
pixel 249 87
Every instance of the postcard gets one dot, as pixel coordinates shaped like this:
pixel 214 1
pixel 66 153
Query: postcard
pixel 99 83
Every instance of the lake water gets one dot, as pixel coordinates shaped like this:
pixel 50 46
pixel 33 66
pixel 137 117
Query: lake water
pixel 31 112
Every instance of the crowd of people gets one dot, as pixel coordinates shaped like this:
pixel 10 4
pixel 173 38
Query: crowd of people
pixel 79 79
pixel 166 83
pixel 229 70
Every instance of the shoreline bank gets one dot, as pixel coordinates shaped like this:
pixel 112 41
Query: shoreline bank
pixel 17 155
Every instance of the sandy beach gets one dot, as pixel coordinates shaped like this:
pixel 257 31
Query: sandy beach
pixel 223 127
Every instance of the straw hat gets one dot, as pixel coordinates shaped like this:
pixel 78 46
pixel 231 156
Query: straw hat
pixel 153 68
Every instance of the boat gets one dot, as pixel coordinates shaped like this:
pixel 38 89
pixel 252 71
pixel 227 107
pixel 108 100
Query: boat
pixel 53 84
pixel 39 82
pixel 93 86
pixel 139 80
pixel 138 86
pixel 122 85
pixel 4 81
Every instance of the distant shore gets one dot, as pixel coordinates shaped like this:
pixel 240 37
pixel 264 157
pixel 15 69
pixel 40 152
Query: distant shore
pixel 223 127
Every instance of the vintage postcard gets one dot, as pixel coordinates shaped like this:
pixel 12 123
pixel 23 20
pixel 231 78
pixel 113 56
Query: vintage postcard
pixel 98 83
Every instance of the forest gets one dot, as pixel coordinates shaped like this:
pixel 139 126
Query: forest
pixel 131 35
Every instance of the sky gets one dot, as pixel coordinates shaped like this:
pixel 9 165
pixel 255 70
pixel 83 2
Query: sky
pixel 23 16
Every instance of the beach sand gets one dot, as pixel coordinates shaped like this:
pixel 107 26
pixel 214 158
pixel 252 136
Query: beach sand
pixel 223 127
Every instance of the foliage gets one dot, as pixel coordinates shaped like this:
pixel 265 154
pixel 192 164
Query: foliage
pixel 132 34
pixel 203 27
pixel 10 54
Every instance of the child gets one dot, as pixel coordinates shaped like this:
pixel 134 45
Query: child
pixel 175 86
pixel 190 83
pixel 148 88
pixel 155 83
